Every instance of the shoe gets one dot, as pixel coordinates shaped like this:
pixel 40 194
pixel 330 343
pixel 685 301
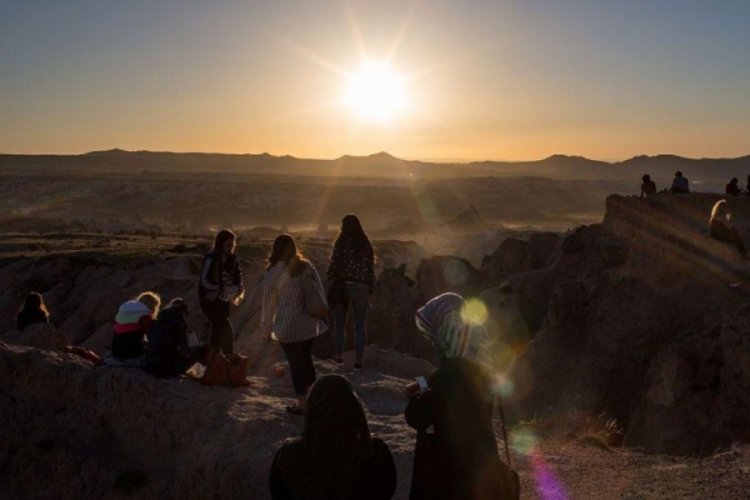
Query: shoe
pixel 357 367
pixel 295 410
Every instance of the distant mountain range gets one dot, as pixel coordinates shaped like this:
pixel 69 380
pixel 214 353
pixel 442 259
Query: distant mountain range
pixel 380 165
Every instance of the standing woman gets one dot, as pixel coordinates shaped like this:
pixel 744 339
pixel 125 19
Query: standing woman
pixel 221 286
pixel 286 315
pixel 351 273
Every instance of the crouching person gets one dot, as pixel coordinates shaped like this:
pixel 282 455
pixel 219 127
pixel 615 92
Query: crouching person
pixel 168 353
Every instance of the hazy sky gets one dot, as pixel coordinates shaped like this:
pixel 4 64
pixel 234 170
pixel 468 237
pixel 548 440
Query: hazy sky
pixel 501 79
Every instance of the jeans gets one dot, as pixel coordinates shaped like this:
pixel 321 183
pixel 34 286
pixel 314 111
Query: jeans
pixel 299 355
pixel 222 333
pixel 358 295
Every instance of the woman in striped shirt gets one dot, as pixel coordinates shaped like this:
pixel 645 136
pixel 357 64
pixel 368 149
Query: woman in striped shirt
pixel 131 325
pixel 284 315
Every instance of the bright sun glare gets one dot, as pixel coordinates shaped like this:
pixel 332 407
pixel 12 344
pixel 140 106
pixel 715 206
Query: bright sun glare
pixel 376 92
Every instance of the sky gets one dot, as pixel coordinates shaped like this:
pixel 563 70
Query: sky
pixel 502 80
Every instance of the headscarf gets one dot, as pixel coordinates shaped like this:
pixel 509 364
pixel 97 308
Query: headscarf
pixel 442 322
pixel 336 438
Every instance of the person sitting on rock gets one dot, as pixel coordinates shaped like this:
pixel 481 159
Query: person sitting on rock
pixel 168 353
pixel 721 228
pixel 680 183
pixel 648 187
pixel 131 325
pixel 32 311
pixel 336 457
pixel 733 188
pixel 456 453
pixel 747 185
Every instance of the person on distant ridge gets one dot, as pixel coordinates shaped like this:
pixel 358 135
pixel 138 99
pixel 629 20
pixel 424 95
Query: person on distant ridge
pixel 168 353
pixel 733 188
pixel 648 187
pixel 33 311
pixel 456 453
pixel 747 185
pixel 721 228
pixel 290 282
pixel 351 275
pixel 132 323
pixel 336 458
pixel 680 183
pixel 221 286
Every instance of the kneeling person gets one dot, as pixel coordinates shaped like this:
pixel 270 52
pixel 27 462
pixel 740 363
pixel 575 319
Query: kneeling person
pixel 168 353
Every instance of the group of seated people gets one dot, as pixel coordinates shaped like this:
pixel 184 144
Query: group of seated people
pixel 680 185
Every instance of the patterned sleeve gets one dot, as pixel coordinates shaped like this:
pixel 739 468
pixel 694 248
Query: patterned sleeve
pixel 238 276
pixel 371 269
pixel 268 306
pixel 334 263
pixel 205 283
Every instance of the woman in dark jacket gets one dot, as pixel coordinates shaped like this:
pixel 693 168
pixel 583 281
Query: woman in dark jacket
pixel 33 311
pixel 221 286
pixel 456 453
pixel 168 353
pixel 351 273
pixel 336 458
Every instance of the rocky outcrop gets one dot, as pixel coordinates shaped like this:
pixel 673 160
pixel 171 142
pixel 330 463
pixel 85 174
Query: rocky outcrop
pixel 645 323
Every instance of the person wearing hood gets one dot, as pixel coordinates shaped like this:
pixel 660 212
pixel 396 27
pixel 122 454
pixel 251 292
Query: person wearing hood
pixel 336 458
pixel 132 323
pixel 456 453
pixel 168 353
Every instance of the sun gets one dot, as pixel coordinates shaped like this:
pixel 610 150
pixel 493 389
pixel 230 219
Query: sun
pixel 376 92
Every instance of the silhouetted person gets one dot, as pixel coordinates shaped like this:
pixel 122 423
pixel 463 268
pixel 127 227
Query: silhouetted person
pixel 648 187
pixel 747 185
pixel 733 188
pixel 456 453
pixel 680 183
pixel 33 311
pixel 351 275
pixel 336 458
pixel 221 286
pixel 168 353
pixel 285 316
pixel 721 227
pixel 132 322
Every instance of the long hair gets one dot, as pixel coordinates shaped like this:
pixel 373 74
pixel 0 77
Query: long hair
pixel 336 438
pixel 221 237
pixel 353 234
pixel 152 300
pixel 285 250
pixel 34 302
pixel 721 207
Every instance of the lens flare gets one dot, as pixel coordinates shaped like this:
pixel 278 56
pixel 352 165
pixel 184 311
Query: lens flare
pixel 474 312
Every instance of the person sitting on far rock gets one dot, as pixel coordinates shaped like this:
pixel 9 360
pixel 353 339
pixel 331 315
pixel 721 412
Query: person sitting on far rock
pixel 747 185
pixel 680 183
pixel 336 458
pixel 648 187
pixel 721 227
pixel 733 188
pixel 32 311
pixel 351 272
pixel 456 453
pixel 168 352
pixel 131 325
pixel 221 285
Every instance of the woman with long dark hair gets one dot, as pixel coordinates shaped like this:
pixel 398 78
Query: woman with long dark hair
pixel 351 275
pixel 32 311
pixel 285 313
pixel 221 286
pixel 336 458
